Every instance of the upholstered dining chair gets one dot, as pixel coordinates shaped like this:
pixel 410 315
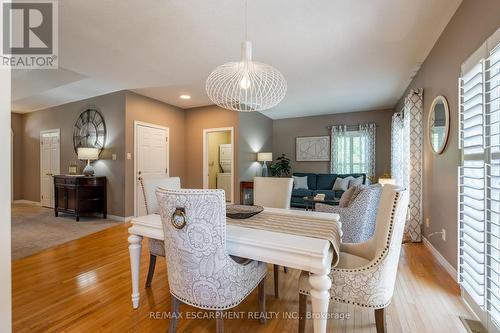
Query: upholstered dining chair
pixel 273 192
pixel 366 273
pixel 200 271
pixel 358 218
pixel 149 186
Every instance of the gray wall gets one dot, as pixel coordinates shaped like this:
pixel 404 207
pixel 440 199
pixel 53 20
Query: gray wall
pixel 255 135
pixel 472 24
pixel 198 119
pixel 112 107
pixel 286 130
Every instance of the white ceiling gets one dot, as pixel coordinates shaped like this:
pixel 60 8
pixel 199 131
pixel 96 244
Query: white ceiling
pixel 336 55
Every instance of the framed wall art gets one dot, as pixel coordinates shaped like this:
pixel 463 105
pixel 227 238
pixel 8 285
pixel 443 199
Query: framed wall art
pixel 312 149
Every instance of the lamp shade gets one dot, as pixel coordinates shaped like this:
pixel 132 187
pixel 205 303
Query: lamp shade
pixel 264 157
pixel 88 153
pixel 385 181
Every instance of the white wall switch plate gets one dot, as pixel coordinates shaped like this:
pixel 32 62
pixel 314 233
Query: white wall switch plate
pixel 129 156
pixel 113 157
pixel 427 222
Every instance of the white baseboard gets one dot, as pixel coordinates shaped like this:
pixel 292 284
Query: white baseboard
pixel 441 260
pixel 476 311
pixel 27 202
pixel 120 218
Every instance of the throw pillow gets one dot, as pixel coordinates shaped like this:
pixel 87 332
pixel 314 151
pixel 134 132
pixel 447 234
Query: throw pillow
pixel 356 181
pixel 341 184
pixel 300 182
pixel 357 190
pixel 346 197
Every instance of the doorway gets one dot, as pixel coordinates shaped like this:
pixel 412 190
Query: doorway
pixel 151 158
pixel 218 160
pixel 49 165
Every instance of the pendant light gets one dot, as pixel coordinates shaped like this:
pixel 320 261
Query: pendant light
pixel 246 85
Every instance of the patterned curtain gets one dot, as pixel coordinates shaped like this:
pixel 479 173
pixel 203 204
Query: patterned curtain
pixel 343 141
pixel 397 151
pixel 406 159
pixel 368 132
pixel 338 159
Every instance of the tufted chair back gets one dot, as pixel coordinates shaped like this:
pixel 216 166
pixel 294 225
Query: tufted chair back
pixel 200 271
pixel 272 192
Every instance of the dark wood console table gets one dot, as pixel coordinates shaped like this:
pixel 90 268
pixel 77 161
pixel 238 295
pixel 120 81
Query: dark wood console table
pixel 79 195
pixel 245 187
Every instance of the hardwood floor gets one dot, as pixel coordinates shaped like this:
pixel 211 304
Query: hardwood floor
pixel 84 286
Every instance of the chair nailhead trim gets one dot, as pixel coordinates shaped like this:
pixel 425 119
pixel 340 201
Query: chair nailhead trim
pixel 384 252
pixel 386 248
pixel 340 300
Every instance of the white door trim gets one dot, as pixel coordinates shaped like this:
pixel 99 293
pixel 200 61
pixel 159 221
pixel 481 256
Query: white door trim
pixel 54 130
pixel 141 123
pixel 205 156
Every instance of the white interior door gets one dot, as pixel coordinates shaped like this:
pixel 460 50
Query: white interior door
pixel 151 158
pixel 49 165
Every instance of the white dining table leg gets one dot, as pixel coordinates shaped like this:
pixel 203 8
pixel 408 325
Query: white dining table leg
pixel 320 298
pixel 134 248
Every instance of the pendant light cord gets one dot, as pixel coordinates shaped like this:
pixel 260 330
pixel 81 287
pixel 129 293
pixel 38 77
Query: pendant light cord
pixel 246 20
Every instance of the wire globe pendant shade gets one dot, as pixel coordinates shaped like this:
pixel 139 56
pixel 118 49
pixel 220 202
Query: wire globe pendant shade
pixel 246 85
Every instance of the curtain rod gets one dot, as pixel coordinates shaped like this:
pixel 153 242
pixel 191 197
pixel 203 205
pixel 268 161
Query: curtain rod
pixel 351 126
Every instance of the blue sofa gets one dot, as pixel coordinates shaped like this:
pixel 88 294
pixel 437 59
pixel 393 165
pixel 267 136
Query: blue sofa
pixel 319 183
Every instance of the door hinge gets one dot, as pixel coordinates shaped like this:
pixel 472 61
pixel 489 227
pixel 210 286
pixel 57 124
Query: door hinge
pixel 166 170
pixel 166 138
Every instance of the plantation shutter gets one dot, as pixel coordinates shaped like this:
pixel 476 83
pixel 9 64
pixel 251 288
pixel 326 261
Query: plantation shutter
pixel 479 183
pixel 472 184
pixel 492 108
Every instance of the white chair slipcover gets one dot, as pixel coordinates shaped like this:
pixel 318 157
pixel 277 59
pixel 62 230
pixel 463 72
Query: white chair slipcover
pixel 149 186
pixel 272 192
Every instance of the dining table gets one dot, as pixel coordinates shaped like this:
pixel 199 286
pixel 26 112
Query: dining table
pixel 280 247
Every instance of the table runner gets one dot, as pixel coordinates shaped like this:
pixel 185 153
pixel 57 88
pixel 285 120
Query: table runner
pixel 295 225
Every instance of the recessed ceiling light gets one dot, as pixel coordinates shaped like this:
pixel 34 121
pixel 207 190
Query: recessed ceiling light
pixel 185 97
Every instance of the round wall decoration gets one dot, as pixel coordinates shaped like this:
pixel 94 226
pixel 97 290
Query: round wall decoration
pixel 89 130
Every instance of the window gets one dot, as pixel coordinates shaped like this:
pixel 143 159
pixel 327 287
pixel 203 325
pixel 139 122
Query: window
pixel 479 182
pixel 350 148
pixel 353 150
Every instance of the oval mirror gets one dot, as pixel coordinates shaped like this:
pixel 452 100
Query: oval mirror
pixel 438 124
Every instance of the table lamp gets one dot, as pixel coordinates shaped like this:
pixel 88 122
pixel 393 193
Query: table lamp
pixel 264 157
pixel 385 181
pixel 89 154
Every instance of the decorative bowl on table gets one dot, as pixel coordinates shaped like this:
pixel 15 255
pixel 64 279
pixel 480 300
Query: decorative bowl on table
pixel 242 211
